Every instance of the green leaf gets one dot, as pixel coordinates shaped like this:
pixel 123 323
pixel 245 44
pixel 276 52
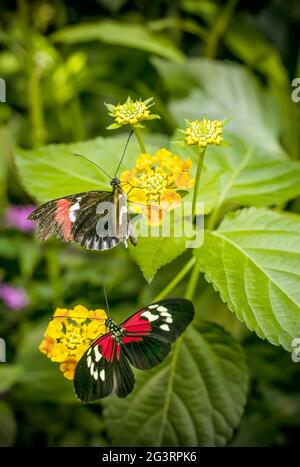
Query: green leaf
pixel 253 260
pixel 8 425
pixel 252 176
pixel 53 171
pixel 133 35
pixel 225 90
pixel 9 375
pixel 153 253
pixel 203 384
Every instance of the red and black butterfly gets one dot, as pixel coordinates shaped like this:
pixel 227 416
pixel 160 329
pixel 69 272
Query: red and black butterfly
pixel 143 340
pixel 97 220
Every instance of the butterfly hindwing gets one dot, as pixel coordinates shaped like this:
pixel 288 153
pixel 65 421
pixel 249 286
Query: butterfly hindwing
pixel 102 369
pixel 151 331
pixel 87 218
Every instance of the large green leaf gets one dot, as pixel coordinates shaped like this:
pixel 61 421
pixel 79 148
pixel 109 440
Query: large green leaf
pixel 224 90
pixel 252 176
pixel 203 384
pixel 153 253
pixel 53 171
pixel 136 36
pixel 253 260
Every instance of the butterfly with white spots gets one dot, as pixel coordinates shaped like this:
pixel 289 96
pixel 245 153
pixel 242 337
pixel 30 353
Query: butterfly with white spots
pixel 144 340
pixel 97 220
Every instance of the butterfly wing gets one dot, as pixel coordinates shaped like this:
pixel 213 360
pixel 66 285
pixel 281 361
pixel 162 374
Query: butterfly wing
pixel 86 218
pixel 102 369
pixel 150 332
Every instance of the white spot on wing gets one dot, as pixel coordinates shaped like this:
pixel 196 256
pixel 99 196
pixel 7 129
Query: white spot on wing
pixel 89 361
pixel 72 216
pixel 92 368
pixel 150 316
pixel 162 308
pixel 102 375
pixel 98 355
pixel 164 327
pixel 96 375
pixel 75 207
pixel 169 320
pixel 89 351
pixel 152 306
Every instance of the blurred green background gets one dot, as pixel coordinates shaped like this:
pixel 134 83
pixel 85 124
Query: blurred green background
pixel 61 61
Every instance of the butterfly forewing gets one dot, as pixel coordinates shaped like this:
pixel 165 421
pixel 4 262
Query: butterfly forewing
pixel 151 331
pixel 90 219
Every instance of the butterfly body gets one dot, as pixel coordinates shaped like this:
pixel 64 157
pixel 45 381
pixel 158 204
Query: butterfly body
pixel 97 220
pixel 144 340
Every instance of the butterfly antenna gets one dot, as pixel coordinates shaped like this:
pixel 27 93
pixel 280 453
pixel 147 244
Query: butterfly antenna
pixel 106 301
pixel 94 163
pixel 121 160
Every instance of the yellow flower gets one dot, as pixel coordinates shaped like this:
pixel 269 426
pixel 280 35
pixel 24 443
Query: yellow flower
pixel 152 184
pixel 203 132
pixel 69 334
pixel 131 113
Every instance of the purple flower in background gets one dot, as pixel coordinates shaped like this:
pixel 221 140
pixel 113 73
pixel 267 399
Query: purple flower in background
pixel 14 298
pixel 17 216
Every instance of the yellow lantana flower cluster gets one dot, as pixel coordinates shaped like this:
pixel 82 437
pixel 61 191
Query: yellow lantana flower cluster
pixel 131 113
pixel 203 132
pixel 152 184
pixel 69 334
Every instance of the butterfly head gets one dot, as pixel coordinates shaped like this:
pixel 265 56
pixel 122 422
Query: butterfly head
pixel 115 182
pixel 114 328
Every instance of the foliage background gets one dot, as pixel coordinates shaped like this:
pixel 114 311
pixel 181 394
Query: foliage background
pixel 61 62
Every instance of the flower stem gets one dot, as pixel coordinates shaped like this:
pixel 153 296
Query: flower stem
pixel 197 181
pixel 192 284
pixel 138 135
pixel 176 280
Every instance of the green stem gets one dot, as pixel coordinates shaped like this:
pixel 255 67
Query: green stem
pixel 192 284
pixel 176 280
pixel 36 107
pixel 138 135
pixel 197 181
pixel 218 28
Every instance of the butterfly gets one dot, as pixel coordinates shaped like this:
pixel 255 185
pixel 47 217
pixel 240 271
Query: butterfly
pixel 97 220
pixel 143 341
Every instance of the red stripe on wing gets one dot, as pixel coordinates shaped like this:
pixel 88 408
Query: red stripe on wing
pixel 108 347
pixel 136 327
pixel 62 217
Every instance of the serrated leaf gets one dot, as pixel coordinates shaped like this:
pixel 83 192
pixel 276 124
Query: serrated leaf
pixel 203 384
pixel 133 35
pixel 253 260
pixel 153 253
pixel 251 176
